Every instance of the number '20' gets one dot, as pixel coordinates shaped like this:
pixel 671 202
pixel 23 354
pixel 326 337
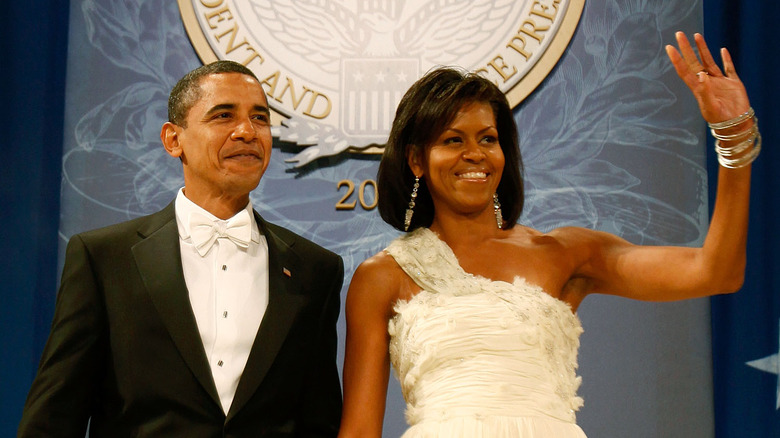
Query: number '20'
pixel 345 203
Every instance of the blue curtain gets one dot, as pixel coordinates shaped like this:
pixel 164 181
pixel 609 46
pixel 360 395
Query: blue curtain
pixel 34 49
pixel 745 338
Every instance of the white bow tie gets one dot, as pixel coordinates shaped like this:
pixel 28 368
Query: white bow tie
pixel 205 231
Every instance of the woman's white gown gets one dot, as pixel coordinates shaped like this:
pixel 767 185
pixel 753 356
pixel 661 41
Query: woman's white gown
pixel 481 358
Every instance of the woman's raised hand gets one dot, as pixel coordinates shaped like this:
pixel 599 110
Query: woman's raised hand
pixel 720 93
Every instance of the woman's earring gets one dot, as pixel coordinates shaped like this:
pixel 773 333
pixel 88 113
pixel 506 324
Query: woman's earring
pixel 410 209
pixel 497 209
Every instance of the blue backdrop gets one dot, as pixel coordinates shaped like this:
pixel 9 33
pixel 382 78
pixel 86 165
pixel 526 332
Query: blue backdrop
pixel 34 52
pixel 745 326
pixel 745 337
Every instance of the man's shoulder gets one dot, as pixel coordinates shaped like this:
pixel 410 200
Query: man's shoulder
pixel 295 241
pixel 131 228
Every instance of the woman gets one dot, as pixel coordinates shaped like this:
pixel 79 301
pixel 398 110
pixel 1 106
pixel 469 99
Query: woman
pixel 477 314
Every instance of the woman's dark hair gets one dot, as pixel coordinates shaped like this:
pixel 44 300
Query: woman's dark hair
pixel 424 112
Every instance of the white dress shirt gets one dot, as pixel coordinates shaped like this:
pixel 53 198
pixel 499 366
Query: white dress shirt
pixel 228 290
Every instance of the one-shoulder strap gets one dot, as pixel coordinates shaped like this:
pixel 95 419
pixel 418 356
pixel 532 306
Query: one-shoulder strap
pixel 426 260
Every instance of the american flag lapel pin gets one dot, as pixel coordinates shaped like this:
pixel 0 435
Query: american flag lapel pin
pixel 286 272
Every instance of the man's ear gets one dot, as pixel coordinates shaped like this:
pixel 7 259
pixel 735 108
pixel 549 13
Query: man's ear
pixel 414 160
pixel 169 135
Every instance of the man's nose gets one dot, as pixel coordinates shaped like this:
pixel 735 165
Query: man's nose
pixel 244 131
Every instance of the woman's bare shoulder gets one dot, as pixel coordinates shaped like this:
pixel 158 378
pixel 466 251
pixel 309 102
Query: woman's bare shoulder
pixel 571 236
pixel 558 238
pixel 380 282
pixel 379 268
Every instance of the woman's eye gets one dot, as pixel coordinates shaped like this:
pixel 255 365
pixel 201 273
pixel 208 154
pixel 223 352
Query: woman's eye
pixel 452 140
pixel 489 139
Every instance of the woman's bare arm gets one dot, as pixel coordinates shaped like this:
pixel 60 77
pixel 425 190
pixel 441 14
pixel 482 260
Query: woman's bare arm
pixel 372 293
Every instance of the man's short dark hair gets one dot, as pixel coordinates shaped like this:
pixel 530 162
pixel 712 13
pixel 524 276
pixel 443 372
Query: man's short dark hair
pixel 187 91
pixel 424 112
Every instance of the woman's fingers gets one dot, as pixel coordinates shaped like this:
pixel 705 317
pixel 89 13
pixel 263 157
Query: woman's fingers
pixel 707 61
pixel 728 64
pixel 686 50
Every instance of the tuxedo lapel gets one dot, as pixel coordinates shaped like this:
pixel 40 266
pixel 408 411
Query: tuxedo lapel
pixel 158 257
pixel 284 303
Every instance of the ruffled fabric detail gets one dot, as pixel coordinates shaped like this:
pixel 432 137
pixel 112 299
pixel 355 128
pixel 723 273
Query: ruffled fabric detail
pixel 467 348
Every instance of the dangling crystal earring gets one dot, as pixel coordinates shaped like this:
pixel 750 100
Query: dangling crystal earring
pixel 497 209
pixel 410 209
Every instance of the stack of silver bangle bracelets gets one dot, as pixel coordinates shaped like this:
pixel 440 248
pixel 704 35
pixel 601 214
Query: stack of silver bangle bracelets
pixel 749 141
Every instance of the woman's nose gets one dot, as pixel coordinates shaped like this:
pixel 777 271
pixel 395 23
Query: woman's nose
pixel 473 151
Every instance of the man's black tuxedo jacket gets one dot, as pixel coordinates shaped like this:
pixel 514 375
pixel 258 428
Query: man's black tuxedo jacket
pixel 125 353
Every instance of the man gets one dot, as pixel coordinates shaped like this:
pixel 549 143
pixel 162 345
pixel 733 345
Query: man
pixel 201 320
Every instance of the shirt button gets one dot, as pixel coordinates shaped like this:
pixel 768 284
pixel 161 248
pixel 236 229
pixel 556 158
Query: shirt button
pixel 219 363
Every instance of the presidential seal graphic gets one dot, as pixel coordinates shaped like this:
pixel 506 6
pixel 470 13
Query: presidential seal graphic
pixel 335 70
